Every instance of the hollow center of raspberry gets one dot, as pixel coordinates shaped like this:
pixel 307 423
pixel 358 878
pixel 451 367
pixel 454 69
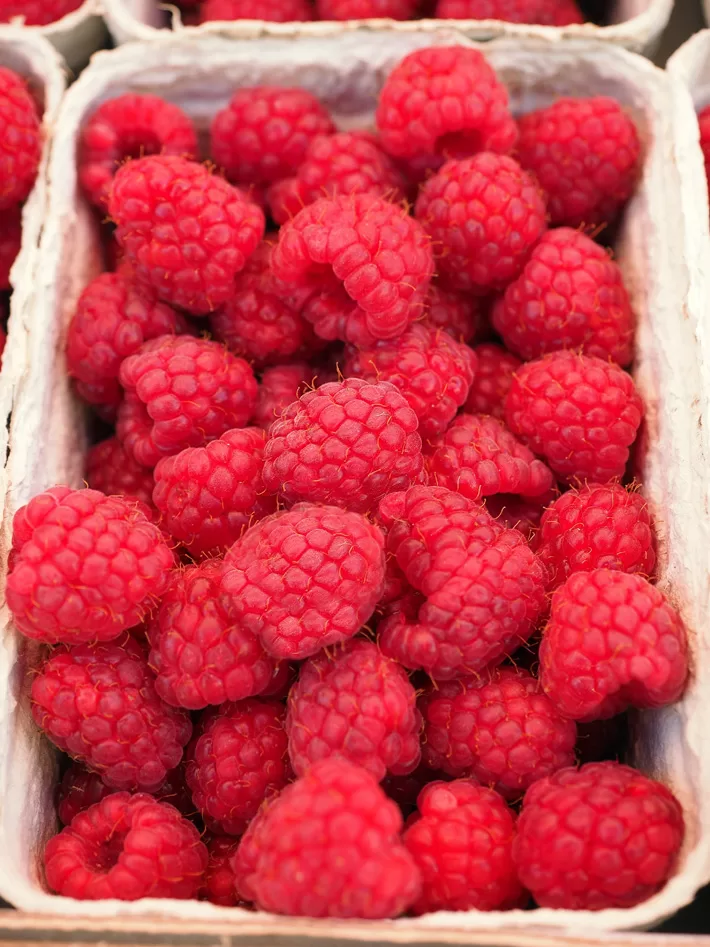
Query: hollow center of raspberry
pixel 104 856
pixel 461 144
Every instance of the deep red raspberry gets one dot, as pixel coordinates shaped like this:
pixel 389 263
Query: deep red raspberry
pixel 704 126
pixel 305 578
pixel 542 12
pixel 579 412
pixel 570 295
pixel 613 641
pixel 85 566
pixel 462 843
pixel 126 847
pixel 10 242
pixel 586 155
pixel 279 387
pixel 603 836
pixel 199 655
pixel 185 231
pixel 181 392
pixel 99 705
pixel 366 9
pixel 130 126
pixel 275 11
pixel 498 728
pixel 478 456
pixel 454 312
pixel 494 375
pixel 114 472
pixel 358 705
pixel 598 526
pixel 433 371
pixel 37 12
pixel 484 215
pixel 218 884
pixel 20 139
pixel 239 758
pixel 348 443
pixel 329 846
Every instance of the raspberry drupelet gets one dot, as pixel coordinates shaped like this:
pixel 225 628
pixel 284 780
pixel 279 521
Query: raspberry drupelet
pixel 495 367
pixel 279 387
pixel 110 469
pixel 540 12
pixel 10 242
pixel 366 9
pixel 20 139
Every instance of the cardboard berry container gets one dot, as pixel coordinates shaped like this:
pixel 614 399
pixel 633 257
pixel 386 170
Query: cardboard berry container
pixel 663 272
pixel 77 35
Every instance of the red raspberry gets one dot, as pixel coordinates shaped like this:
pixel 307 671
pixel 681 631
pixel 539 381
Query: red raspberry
pixel 586 155
pixel 98 704
pixel 347 443
pixel 130 126
pixel 264 132
pixel 579 412
pixel 85 566
pixel 491 383
pixel 704 126
pixel 239 759
pixel 432 370
pixel 199 655
pixel 181 392
pixel 570 295
pixel 598 526
pixel 358 705
pixel 613 641
pixel 37 12
pixel 329 846
pixel 20 138
pixel 113 318
pixel 504 216
pixel 126 847
pixel 305 578
pixel 246 858
pixel 500 729
pixel 114 472
pixel 185 231
pixel 366 9
pixel 542 12
pixel 276 11
pixel 10 242
pixel 462 843
pixel 218 885
pixel 603 836
pixel 478 456
pixel 454 312
pixel 280 386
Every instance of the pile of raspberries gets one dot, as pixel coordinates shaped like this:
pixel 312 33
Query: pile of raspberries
pixel 347 619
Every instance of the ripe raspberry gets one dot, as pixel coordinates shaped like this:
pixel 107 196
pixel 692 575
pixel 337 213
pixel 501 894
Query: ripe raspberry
pixel 239 759
pixel 504 215
pixel 366 9
pixel 305 578
pixel 279 387
pixel 185 231
pixel 329 846
pixel 276 11
pixel 704 127
pixel 126 847
pixel 246 858
pixel 20 139
pixel 603 836
pixel 181 392
pixel 347 443
pixel 85 566
pixel 114 472
pixel 358 705
pixel 463 845
pixel 432 370
pixel 199 655
pixel 494 375
pixel 454 312
pixel 613 641
pixel 570 295
pixel 130 126
pixel 499 729
pixel 579 412
pixel 598 526
pixel 10 242
pixel 37 12
pixel 478 456
pixel 218 885
pixel 98 704
pixel 586 155
pixel 542 12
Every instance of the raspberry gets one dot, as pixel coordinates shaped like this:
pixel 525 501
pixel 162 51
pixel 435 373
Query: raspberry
pixel 181 392
pixel 185 231
pixel 113 319
pixel 454 312
pixel 463 845
pixel 586 155
pixel 276 11
pixel 279 387
pixel 218 885
pixel 432 370
pixel 199 655
pixel 613 641
pixel 484 214
pixel 444 101
pixel 98 704
pixel 521 513
pixel 603 836
pixel 494 375
pixel 499 729
pixel 579 412
pixel 246 858
pixel 598 526
pixel 238 760
pixel 305 579
pixel 358 705
pixel 570 295
pixel 704 127
pixel 366 9
pixel 126 847
pixel 37 12
pixel 329 846
pixel 85 566
pixel 21 138
pixel 10 242
pixel 478 456
pixel 114 472
pixel 542 12
pixel 130 126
